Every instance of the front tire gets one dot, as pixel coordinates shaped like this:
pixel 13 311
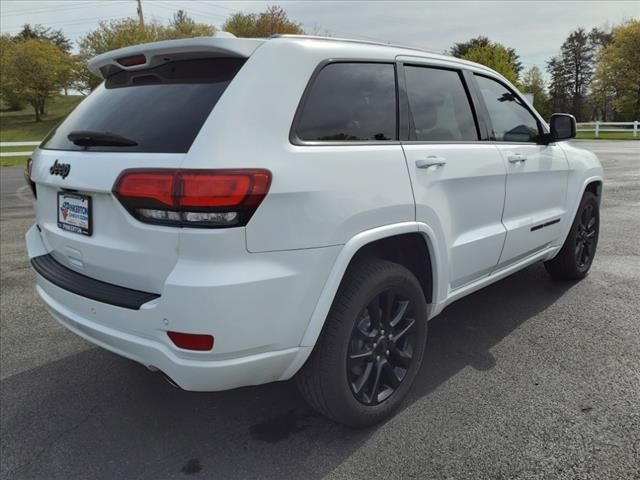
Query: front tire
pixel 578 251
pixel 371 347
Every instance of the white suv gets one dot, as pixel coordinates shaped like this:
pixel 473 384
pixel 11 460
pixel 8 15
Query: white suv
pixel 238 211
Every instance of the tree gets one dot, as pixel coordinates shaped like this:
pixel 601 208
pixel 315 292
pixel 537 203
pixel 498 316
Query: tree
pixel 38 68
pixel 183 26
pixel 125 32
pixel 114 34
pixel 578 55
pixel 494 56
pixel 274 20
pixel 601 37
pixel 532 82
pixel 10 91
pixel 559 85
pixel 56 37
pixel 617 76
pixel 84 81
pixel 181 17
pixel 241 25
pixel 461 49
pixel 603 91
pixel 572 71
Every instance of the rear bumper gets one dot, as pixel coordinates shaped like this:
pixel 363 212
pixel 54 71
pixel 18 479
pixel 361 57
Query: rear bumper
pixel 189 374
pixel 257 329
pixel 87 287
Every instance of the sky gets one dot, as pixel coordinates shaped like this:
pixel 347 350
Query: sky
pixel 536 29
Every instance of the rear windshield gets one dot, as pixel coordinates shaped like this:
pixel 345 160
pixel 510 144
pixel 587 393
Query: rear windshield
pixel 161 109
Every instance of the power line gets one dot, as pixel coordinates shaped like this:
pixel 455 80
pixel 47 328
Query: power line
pixel 75 22
pixel 89 20
pixel 15 13
pixel 168 5
pixel 220 6
pixel 208 4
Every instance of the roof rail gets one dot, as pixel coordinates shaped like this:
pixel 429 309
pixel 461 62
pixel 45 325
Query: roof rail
pixel 353 40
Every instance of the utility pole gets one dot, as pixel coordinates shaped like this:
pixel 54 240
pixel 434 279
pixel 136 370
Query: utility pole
pixel 140 16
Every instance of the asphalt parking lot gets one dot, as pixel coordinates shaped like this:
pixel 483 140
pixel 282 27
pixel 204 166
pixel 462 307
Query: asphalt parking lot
pixel 529 378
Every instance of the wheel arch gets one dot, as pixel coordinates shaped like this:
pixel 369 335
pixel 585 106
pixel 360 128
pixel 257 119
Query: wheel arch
pixel 592 183
pixel 380 241
pixel 594 186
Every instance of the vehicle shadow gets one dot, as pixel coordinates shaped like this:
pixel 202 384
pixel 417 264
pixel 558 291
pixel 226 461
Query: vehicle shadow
pixel 95 415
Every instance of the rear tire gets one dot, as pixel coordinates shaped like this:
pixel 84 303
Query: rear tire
pixel 376 330
pixel 576 255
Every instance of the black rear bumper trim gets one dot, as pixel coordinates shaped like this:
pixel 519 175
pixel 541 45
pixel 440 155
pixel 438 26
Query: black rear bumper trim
pixel 75 282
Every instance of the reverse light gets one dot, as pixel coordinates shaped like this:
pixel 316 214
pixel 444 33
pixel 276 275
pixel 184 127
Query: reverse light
pixel 193 198
pixel 191 341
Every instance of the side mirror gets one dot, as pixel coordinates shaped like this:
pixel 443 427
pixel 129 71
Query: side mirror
pixel 563 127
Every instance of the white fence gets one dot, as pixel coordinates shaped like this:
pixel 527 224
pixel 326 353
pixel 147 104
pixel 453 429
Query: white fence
pixel 598 127
pixel 17 144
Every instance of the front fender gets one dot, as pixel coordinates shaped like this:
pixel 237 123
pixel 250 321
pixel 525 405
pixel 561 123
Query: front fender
pixel 584 169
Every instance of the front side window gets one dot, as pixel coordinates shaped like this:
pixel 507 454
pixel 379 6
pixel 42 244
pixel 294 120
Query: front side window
pixel 439 106
pixel 511 119
pixel 350 102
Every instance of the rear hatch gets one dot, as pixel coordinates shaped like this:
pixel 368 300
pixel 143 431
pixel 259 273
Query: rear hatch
pixel 146 114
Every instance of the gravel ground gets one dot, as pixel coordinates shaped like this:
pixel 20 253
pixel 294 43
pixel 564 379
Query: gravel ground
pixel 528 378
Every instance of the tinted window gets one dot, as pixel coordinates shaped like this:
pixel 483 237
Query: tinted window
pixel 161 109
pixel 350 101
pixel 439 105
pixel 511 120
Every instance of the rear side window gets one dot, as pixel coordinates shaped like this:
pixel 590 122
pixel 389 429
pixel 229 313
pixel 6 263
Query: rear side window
pixel 350 102
pixel 439 106
pixel 161 109
pixel 511 119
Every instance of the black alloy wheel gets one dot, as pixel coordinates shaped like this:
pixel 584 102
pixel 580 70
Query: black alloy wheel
pixel 371 347
pixel 586 236
pixel 381 348
pixel 574 259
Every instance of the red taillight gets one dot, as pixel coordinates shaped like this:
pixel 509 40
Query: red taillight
pixel 193 198
pixel 191 341
pixel 205 190
pixel 156 186
pixel 27 176
pixel 132 61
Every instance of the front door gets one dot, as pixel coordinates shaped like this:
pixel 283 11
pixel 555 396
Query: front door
pixel 458 182
pixel 536 174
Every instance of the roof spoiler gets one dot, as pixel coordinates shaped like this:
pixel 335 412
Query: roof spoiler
pixel 149 55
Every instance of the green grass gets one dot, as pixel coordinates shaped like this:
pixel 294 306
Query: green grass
pixel 20 126
pixel 13 161
pixel 607 136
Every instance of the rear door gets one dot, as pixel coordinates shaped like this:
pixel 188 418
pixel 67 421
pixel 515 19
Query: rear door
pixel 147 118
pixel 536 174
pixel 458 182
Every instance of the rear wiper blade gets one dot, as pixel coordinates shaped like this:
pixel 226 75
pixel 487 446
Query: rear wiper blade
pixel 88 138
